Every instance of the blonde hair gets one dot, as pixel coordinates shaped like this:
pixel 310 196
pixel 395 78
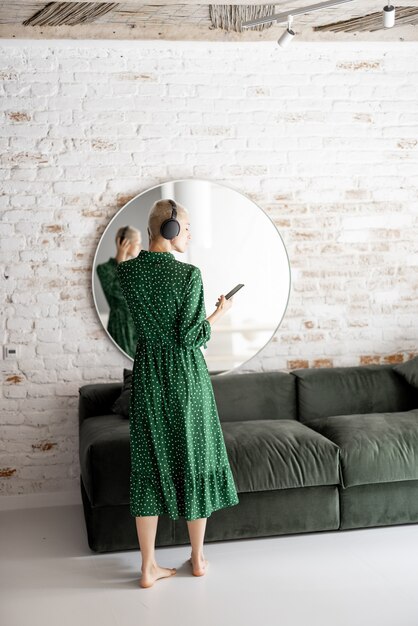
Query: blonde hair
pixel 128 232
pixel 160 211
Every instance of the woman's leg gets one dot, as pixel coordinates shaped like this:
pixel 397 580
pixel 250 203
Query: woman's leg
pixel 146 527
pixel 197 529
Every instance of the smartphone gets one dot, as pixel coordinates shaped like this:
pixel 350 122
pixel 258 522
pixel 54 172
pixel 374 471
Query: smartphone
pixel 234 290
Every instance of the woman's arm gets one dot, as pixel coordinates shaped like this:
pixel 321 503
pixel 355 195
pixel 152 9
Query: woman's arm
pixel 109 282
pixel 223 305
pixel 194 328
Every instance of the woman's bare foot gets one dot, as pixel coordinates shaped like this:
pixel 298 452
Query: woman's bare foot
pixel 199 565
pixel 149 577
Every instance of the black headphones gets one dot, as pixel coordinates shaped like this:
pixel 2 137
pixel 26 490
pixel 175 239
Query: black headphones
pixel 170 228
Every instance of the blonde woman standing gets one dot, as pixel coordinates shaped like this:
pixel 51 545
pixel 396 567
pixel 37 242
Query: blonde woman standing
pixel 179 462
pixel 120 325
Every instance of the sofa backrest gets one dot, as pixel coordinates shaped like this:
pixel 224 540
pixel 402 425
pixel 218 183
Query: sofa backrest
pixel 323 392
pixel 96 399
pixel 255 396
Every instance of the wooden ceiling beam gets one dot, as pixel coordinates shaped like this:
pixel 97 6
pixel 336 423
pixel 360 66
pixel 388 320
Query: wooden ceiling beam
pixel 179 32
pixel 142 21
pixel 156 3
pixel 360 6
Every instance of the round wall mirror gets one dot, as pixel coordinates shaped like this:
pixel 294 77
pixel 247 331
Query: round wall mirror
pixel 232 241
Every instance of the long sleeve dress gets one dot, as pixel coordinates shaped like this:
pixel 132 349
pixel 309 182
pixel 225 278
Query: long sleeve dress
pixel 120 324
pixel 179 462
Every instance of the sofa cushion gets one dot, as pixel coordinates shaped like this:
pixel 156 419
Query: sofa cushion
pixel 255 395
pixel 374 448
pixel 279 454
pixel 96 399
pixel 409 370
pixel 121 404
pixel 328 391
pixel 264 455
pixel 105 459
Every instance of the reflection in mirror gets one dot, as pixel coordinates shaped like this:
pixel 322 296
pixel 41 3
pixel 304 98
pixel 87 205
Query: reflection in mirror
pixel 232 241
pixel 116 315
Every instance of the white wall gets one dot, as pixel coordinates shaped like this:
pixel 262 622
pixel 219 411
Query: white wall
pixel 323 137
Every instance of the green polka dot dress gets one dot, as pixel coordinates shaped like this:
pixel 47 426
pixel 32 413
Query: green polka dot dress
pixel 179 462
pixel 120 324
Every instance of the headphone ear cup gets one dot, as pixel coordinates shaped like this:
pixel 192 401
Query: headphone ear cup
pixel 170 228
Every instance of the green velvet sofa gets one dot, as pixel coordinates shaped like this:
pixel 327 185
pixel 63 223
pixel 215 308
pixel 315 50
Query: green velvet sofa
pixel 310 450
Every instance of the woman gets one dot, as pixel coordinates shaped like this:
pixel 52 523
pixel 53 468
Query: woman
pixel 179 463
pixel 120 324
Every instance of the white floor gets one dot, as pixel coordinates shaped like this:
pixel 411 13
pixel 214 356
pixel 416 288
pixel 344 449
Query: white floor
pixel 343 578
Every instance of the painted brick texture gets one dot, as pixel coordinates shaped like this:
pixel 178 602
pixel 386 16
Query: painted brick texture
pixel 323 137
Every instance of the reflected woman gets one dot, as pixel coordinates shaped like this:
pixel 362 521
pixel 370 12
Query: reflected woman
pixel 120 323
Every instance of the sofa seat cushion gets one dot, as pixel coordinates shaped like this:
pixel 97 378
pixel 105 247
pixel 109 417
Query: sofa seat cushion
pixel 105 459
pixel 375 448
pixel 279 454
pixel 264 455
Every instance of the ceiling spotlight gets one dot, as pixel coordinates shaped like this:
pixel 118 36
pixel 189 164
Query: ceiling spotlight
pixel 288 34
pixel 281 18
pixel 388 16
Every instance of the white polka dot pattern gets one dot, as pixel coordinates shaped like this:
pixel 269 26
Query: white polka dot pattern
pixel 179 462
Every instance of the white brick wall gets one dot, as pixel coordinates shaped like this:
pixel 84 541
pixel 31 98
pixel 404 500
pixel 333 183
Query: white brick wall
pixel 323 137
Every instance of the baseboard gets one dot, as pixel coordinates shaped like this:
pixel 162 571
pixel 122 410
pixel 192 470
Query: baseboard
pixel 36 500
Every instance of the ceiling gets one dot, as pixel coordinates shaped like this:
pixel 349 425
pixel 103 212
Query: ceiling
pixel 359 20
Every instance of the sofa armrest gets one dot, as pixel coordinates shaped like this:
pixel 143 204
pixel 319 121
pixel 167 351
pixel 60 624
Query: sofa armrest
pixel 97 399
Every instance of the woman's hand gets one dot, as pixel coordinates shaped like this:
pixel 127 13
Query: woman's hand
pixel 122 252
pixel 223 305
